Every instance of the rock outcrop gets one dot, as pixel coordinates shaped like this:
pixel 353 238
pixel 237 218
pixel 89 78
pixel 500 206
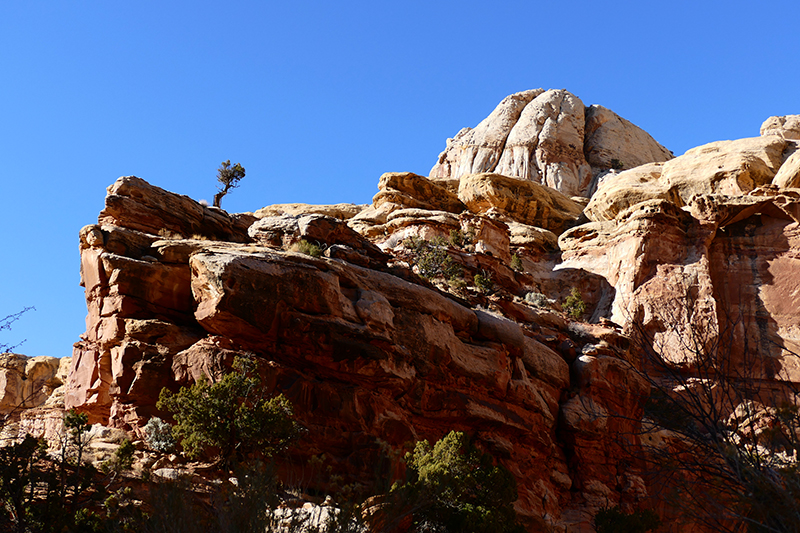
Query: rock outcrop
pixel 365 350
pixel 439 306
pixel 551 138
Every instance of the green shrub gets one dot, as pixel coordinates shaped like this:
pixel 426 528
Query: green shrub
pixel 231 416
pixel 431 258
pixel 453 486
pixel 461 239
pixel 483 281
pixel 516 263
pixel 616 164
pixel 574 305
pixel 307 248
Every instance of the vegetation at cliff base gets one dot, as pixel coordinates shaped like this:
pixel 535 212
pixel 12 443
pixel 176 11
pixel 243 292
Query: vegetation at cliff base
pixel 454 486
pixel 231 416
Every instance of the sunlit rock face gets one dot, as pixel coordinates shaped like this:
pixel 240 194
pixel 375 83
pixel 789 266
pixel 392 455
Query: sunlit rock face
pixel 372 355
pixel 549 137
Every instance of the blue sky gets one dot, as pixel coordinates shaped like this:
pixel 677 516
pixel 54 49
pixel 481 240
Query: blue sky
pixel 317 99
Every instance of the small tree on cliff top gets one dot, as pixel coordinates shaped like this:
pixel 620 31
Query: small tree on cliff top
pixel 231 415
pixel 228 175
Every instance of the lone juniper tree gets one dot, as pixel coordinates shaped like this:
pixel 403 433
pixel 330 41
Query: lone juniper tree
pixel 228 175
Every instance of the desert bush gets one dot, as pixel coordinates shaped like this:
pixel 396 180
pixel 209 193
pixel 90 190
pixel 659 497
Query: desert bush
pixel 483 281
pixel 453 486
pixel 431 258
pixel 461 239
pixel 537 299
pixel 308 248
pixel 516 263
pixel 574 305
pixel 158 435
pixel 231 416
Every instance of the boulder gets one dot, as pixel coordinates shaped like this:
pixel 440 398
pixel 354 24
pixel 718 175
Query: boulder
pixel 625 189
pixel 788 176
pixel 726 167
pixel 787 126
pixel 409 190
pixel 477 150
pixel 545 137
pixel 520 200
pixel 27 382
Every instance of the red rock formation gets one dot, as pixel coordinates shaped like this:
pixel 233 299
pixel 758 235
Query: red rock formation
pixel 371 354
pixel 367 354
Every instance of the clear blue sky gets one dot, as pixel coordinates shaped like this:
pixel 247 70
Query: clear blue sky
pixel 317 99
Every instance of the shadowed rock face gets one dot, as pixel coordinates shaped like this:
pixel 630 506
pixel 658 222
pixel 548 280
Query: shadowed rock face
pixel 371 354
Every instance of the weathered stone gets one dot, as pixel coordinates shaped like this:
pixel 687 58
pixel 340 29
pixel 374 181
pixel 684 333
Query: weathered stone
pixel 523 201
pixel 546 144
pixel 788 175
pixel 787 126
pixel 621 191
pixel 473 151
pixel 27 382
pixel 340 211
pixel 725 167
pixel 613 142
pixel 408 190
pixel 545 137
pixel 135 204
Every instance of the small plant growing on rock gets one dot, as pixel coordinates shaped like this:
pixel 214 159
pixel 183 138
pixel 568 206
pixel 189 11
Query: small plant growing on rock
pixel 516 263
pixel 483 281
pixel 574 305
pixel 537 299
pixel 461 239
pixel 170 235
pixel 616 164
pixel 308 248
pixel 158 435
pixel 431 258
pixel 228 175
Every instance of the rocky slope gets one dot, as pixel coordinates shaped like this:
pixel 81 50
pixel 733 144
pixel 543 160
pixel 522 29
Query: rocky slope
pixel 543 196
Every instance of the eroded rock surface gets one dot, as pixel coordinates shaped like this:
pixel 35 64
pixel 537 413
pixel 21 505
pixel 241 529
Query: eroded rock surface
pixel 372 354
pixel 367 352
pixel 551 138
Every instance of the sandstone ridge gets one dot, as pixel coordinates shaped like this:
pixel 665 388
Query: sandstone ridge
pixel 439 306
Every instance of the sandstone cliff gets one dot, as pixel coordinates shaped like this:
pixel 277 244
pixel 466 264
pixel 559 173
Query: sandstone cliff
pixel 373 355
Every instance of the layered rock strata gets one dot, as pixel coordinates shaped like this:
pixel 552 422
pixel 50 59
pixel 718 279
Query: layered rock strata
pixel 367 352
pixel 372 354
